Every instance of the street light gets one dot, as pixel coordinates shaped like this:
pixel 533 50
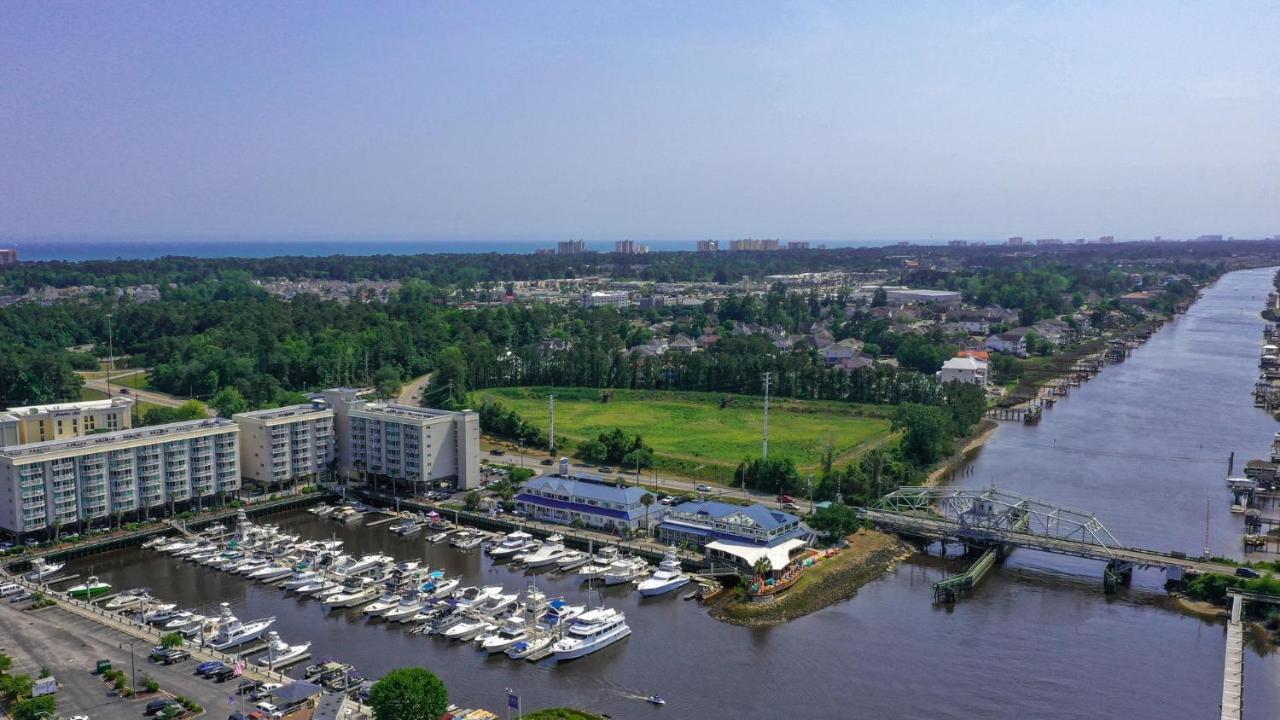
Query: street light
pixel 133 670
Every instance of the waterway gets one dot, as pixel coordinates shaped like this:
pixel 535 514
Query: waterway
pixel 1144 445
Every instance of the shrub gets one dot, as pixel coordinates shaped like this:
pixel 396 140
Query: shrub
pixel 150 685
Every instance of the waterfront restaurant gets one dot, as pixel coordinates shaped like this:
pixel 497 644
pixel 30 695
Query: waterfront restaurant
pixel 695 524
pixel 594 502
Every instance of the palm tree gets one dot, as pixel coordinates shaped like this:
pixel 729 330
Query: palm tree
pixel 762 567
pixel 646 500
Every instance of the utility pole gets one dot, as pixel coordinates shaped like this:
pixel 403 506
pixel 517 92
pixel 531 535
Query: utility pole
pixel 551 433
pixel 765 450
pixel 1207 553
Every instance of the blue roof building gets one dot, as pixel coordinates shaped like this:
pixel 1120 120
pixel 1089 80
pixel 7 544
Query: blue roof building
pixel 695 524
pixel 597 503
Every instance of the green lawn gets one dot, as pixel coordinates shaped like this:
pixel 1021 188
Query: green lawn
pixel 91 394
pixel 137 381
pixel 690 429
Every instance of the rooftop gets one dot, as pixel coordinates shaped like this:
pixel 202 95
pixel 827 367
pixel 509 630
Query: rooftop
pixel 104 404
pixel 283 412
pixel 963 363
pixel 759 514
pixel 406 411
pixel 105 440
pixel 591 488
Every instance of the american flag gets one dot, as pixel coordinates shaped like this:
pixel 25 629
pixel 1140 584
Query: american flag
pixel 239 666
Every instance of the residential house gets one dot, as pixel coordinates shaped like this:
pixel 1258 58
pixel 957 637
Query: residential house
pixel 682 343
pixel 1013 342
pixel 963 369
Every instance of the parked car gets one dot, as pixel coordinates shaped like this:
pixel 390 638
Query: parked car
pixel 158 704
pixel 702 488
pixel 1245 572
pixel 222 675
pixel 791 507
pixel 21 597
pixel 497 451
pixel 270 710
pixel 547 461
pixel 248 686
pixel 205 668
pixel 606 469
pixel 174 655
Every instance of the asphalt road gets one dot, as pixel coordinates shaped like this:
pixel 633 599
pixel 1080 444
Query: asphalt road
pixel 155 398
pixel 71 645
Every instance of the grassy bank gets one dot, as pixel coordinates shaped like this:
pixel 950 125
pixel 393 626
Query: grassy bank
pixel 561 714
pixel 870 553
pixel 690 429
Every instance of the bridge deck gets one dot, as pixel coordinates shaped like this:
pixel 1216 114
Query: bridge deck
pixel 942 528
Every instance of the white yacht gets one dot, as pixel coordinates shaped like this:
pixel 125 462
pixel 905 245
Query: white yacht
pixel 352 596
pixel 318 588
pixel 280 653
pixel 364 565
pixel 551 551
pixel 439 537
pixel 511 632
pixel 405 610
pixel 469 597
pixel 468 629
pixel 127 599
pixel 389 600
pixel 514 543
pixel 495 604
pixel 558 614
pixel 267 573
pixel 41 569
pixel 572 559
pixel 668 577
pixel 181 619
pixel 440 589
pixel 529 646
pixel 232 632
pixel 162 613
pixel 301 578
pixel 624 570
pixel 591 631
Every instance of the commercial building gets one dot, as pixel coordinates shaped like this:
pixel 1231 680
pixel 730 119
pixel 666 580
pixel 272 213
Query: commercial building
pixel 286 444
pixel 403 442
pixel 698 524
pixel 708 245
pixel 60 483
pixel 605 299
pixel 589 501
pixel 1015 241
pixel 8 256
pixel 964 369
pixel 60 421
pixel 571 247
pixel 797 244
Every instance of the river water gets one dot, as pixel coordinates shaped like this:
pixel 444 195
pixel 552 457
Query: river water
pixel 1143 445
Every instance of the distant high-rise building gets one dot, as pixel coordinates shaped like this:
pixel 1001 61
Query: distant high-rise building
pixel 1079 241
pixel 629 247
pixel 958 243
pixel 1107 239
pixel 571 247
pixel 708 245
pixel 8 256
pixel 1210 238
pixel 1049 241
pixel 797 245
pixel 753 244
pixel 1015 241
pixel 544 251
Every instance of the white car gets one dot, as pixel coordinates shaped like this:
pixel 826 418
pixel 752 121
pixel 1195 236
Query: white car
pixel 702 488
pixel 271 711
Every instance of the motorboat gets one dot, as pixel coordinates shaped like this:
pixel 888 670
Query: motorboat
pixel 321 509
pixel 438 590
pixel 439 537
pixel 279 653
pixel 318 587
pixel 511 632
pixel 514 543
pixel 157 614
pixel 232 632
pixel 495 604
pixel 572 559
pixel 350 597
pixel 591 631
pixel 267 573
pixel 469 597
pixel 668 576
pixel 624 570
pixel 300 579
pixel 656 700
pixel 180 619
pixel 529 646
pixel 468 629
pixel 127 599
pixel 406 527
pixel 405 610
pixel 91 587
pixel 41 569
pixel 559 612
pixel 366 564
pixel 250 565
pixel 197 549
pixel 467 542
pixel 177 546
pixel 389 600
pixel 155 541
pixel 442 623
pixel 551 551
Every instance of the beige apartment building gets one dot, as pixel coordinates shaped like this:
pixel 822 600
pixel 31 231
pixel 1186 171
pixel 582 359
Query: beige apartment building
pixel 61 421
pixel 286 444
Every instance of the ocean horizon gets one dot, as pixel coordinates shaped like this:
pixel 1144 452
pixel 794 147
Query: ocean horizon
pixel 81 249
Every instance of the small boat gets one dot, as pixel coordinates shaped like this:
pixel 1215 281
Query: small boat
pixel 656 700
pixel 162 613
pixel 668 577
pixel 389 600
pixel 268 573
pixel 511 632
pixel 92 587
pixel 322 509
pixel 300 579
pixel 406 610
pixel 551 551
pixel 407 527
pixel 439 537
pixel 572 559
pixel 280 653
pixel 316 587
pixel 41 569
pixel 127 599
pixel 468 542
pixel 232 632
pixel 525 648
pixel 181 619
pixel 514 543
pixel 468 629
pixel 438 590
pixel 1237 508
pixel 625 570
pixel 153 542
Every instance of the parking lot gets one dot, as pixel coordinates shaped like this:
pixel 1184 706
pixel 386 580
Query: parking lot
pixel 70 646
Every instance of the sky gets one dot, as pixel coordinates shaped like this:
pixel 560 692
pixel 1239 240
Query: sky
pixel 599 120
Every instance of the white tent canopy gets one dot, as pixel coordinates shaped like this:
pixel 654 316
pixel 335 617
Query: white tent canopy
pixel 779 555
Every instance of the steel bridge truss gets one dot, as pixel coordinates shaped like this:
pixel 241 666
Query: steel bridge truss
pixel 994 511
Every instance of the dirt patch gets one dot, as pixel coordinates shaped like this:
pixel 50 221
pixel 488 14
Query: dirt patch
pixel 869 555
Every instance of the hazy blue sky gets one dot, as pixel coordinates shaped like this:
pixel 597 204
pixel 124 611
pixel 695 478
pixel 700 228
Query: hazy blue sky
pixel 648 120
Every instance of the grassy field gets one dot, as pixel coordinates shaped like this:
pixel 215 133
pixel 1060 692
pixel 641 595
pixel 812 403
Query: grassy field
pixel 690 429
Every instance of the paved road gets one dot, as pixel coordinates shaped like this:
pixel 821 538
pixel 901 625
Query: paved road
pixel 151 396
pixel 411 392
pixel 71 645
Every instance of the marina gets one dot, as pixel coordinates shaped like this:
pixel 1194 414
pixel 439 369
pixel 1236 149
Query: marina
pixel 1081 454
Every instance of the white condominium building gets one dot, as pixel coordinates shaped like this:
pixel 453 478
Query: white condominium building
pixel 286 444
pixel 59 483
pixel 405 442
pixel 37 423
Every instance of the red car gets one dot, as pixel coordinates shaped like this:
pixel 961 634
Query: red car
pixel 786 499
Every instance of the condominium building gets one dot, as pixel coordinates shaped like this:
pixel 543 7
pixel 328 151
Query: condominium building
pixel 708 245
pixel 60 483
pixel 571 247
pixel 61 421
pixel 404 442
pixel 598 298
pixel 286 444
